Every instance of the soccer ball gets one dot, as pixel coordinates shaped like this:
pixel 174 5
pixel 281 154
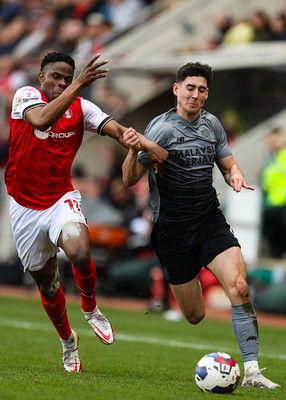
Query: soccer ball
pixel 217 373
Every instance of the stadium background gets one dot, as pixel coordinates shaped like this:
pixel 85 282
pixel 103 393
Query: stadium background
pixel 247 93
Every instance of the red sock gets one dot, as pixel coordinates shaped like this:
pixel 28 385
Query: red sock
pixel 86 283
pixel 55 307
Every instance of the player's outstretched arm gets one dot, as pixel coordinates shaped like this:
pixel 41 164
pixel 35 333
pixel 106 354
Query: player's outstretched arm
pixel 232 174
pixel 132 170
pixel 44 116
pixel 129 137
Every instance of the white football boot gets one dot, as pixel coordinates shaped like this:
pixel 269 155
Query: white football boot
pixel 100 325
pixel 254 377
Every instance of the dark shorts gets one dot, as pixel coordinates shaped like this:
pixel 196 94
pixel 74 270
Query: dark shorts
pixel 183 250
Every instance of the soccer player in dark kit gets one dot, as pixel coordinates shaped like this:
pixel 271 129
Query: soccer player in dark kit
pixel 190 230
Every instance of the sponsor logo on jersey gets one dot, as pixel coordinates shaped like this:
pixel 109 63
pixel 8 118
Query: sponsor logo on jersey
pixel 30 92
pixel 29 99
pixel 49 133
pixel 61 135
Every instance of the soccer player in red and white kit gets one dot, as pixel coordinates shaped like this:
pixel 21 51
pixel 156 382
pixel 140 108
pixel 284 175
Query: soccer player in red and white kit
pixel 47 127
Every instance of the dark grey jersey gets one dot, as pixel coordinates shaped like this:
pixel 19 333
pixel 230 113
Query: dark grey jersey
pixel 185 191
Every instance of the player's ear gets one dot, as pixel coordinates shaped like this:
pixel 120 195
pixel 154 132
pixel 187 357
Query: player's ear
pixel 207 94
pixel 41 77
pixel 175 88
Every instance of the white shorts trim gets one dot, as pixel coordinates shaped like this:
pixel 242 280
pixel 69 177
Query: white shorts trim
pixel 36 232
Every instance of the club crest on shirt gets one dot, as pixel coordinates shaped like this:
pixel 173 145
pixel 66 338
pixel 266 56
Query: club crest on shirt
pixel 68 114
pixel 204 132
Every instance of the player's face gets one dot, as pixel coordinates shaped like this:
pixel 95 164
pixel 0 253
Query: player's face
pixel 55 78
pixel 191 96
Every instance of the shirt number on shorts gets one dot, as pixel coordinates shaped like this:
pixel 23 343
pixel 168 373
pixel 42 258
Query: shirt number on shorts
pixel 73 205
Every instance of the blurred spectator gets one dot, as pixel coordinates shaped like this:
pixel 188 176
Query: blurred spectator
pixel 222 23
pixel 9 9
pixel 278 27
pixel 261 28
pixel 12 76
pixel 275 140
pixel 273 181
pixel 68 34
pixel 96 208
pixel 93 38
pixel 79 9
pixel 113 157
pixel 113 100
pixel 122 199
pixel 232 124
pixel 12 33
pixel 141 225
pixel 240 33
pixel 40 31
pixel 123 14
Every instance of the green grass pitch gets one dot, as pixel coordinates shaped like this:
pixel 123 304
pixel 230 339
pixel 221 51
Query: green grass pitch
pixel 152 359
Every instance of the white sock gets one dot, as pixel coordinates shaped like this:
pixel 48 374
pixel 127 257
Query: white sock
pixel 68 341
pixel 251 364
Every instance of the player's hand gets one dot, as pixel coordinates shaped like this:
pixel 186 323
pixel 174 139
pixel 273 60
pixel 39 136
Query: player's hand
pixel 237 182
pixel 131 138
pixel 92 71
pixel 156 153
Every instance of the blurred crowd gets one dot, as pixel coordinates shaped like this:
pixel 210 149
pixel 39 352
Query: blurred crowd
pixel 31 28
pixel 82 28
pixel 259 26
pixel 119 217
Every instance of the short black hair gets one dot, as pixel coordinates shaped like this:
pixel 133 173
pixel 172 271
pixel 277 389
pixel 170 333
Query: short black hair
pixel 57 57
pixel 194 69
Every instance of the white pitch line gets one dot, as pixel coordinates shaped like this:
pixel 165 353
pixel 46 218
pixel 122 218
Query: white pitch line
pixel 130 338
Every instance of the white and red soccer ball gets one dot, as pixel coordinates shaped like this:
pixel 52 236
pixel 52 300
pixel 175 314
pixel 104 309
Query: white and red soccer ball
pixel 217 373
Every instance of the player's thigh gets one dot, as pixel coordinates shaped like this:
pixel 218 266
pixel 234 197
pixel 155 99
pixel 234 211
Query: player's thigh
pixel 190 299
pixel 74 240
pixel 30 229
pixel 68 227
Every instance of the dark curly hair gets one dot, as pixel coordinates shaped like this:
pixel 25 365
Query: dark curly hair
pixel 57 57
pixel 194 69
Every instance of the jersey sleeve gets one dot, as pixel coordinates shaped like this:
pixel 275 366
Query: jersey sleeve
pixel 222 149
pixel 94 118
pixel 24 100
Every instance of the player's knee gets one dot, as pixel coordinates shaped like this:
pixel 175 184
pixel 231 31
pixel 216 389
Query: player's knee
pixel 81 258
pixel 49 290
pixel 196 317
pixel 241 290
